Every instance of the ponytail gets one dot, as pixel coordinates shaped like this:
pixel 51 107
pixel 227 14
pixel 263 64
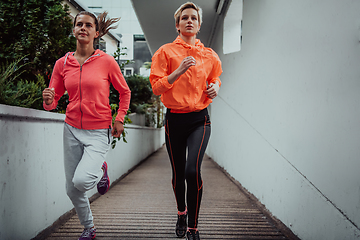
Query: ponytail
pixel 105 24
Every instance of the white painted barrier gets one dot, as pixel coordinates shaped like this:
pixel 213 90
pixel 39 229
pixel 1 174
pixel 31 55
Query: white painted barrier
pixel 286 121
pixel 32 179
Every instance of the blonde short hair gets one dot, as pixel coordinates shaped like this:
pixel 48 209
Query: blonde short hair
pixel 185 6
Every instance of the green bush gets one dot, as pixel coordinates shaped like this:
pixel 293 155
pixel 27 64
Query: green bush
pixel 141 93
pixel 41 30
pixel 17 92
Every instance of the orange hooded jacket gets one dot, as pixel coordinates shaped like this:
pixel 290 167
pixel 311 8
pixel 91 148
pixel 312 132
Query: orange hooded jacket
pixel 186 94
pixel 88 89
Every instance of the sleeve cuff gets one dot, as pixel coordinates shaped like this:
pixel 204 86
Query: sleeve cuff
pixel 48 107
pixel 120 118
pixel 167 84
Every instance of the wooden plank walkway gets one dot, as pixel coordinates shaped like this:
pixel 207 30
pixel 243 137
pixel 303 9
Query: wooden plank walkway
pixel 142 206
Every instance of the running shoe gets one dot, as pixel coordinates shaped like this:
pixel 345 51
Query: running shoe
pixel 181 225
pixel 104 184
pixel 88 234
pixel 192 234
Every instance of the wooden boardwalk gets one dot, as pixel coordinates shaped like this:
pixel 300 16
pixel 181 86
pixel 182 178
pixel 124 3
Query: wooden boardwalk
pixel 142 206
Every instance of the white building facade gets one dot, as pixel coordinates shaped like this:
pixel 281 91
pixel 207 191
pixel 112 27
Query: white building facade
pixel 132 44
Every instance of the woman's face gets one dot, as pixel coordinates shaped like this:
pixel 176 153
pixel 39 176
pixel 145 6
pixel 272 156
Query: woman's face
pixel 189 22
pixel 85 29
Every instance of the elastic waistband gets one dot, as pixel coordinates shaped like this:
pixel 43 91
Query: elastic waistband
pixel 174 111
pixel 187 119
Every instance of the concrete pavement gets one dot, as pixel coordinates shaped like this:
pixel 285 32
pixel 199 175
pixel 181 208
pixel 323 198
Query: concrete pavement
pixel 142 206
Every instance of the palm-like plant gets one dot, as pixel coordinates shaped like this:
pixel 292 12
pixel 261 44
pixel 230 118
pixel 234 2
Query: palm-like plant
pixel 18 92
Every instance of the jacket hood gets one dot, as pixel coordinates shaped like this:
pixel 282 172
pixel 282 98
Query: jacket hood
pixel 180 41
pixel 70 59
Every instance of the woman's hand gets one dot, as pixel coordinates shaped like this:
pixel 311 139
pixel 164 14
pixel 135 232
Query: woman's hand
pixel 48 95
pixel 117 129
pixel 213 90
pixel 185 64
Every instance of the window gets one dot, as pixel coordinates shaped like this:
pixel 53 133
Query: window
pixel 128 71
pixel 100 44
pixel 232 27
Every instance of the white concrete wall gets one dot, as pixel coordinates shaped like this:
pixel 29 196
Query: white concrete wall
pixel 286 124
pixel 137 119
pixel 32 182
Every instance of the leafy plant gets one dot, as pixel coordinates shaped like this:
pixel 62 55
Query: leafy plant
pixel 17 92
pixel 147 65
pixel 141 91
pixel 127 120
pixel 39 29
pixel 117 55
pixel 159 110
pixel 9 73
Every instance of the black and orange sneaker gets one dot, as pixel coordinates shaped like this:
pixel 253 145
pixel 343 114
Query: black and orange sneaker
pixel 181 224
pixel 192 234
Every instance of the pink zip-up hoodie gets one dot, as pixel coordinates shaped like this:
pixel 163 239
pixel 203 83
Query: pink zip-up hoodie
pixel 88 89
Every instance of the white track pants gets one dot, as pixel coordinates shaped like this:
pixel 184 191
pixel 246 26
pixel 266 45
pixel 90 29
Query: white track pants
pixel 84 154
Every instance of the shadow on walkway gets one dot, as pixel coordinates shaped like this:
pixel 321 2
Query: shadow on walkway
pixel 142 206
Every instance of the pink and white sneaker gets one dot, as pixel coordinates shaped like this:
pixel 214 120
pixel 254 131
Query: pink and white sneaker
pixel 88 234
pixel 104 184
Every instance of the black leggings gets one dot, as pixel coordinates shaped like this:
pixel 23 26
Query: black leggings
pixel 191 132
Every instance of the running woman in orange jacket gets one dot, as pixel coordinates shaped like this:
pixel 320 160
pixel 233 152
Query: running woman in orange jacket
pixel 186 75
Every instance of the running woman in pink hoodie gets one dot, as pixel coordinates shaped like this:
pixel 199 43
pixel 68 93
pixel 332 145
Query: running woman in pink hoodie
pixel 86 75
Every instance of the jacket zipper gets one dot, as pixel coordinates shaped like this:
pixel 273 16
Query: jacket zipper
pixel 81 117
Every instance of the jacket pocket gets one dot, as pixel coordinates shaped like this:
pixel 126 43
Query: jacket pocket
pixel 94 110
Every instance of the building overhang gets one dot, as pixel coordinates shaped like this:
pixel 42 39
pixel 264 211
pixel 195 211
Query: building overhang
pixel 156 18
